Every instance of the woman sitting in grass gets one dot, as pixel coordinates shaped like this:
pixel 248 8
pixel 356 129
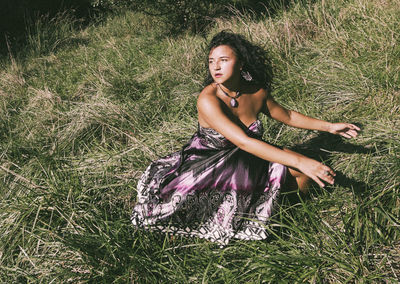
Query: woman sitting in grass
pixel 225 181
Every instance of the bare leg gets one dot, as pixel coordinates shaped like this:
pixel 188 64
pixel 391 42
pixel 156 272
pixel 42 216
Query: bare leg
pixel 297 179
pixel 301 180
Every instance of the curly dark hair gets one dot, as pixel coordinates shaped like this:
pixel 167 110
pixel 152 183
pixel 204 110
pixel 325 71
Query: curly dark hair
pixel 253 57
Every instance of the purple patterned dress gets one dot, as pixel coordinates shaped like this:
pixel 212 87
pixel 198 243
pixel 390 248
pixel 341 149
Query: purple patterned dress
pixel 210 189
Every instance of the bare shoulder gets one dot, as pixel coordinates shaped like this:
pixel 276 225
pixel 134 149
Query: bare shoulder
pixel 207 92
pixel 208 105
pixel 207 97
pixel 261 93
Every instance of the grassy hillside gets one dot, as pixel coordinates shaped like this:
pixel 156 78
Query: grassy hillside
pixel 82 113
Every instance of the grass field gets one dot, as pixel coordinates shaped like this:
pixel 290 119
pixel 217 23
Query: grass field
pixel 83 112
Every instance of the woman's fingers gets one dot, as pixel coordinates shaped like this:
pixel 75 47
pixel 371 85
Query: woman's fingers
pixel 325 174
pixel 327 178
pixel 317 180
pixel 346 135
pixel 352 132
pixel 329 171
pixel 317 171
pixel 346 130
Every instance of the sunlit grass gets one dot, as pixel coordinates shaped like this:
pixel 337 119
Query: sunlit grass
pixel 83 112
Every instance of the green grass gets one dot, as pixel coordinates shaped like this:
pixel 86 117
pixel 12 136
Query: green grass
pixel 83 112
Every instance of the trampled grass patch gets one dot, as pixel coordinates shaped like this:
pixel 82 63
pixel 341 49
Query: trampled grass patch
pixel 83 112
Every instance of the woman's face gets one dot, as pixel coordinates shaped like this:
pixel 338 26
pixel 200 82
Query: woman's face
pixel 223 64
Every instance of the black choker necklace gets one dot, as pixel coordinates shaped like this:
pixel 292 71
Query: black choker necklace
pixel 234 102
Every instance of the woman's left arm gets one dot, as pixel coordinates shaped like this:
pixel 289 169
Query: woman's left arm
pixel 296 119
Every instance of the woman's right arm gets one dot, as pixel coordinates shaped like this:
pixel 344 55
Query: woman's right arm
pixel 210 110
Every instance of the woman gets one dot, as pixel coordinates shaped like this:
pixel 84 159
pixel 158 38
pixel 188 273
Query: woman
pixel 224 183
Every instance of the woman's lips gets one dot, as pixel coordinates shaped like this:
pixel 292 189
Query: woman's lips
pixel 217 75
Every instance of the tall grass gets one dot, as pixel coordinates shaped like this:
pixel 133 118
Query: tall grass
pixel 84 112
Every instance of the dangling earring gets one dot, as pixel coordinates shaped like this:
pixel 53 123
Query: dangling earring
pixel 246 75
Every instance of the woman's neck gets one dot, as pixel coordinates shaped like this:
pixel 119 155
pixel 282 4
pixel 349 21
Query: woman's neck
pixel 231 87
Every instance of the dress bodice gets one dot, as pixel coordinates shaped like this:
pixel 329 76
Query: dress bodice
pixel 211 138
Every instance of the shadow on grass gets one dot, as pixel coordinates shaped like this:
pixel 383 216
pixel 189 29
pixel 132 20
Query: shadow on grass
pixel 19 16
pixel 323 147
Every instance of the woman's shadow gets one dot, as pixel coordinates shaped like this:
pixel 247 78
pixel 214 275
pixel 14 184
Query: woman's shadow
pixel 321 148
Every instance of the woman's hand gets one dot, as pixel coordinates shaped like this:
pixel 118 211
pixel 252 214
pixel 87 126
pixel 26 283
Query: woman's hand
pixel 317 171
pixel 344 129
